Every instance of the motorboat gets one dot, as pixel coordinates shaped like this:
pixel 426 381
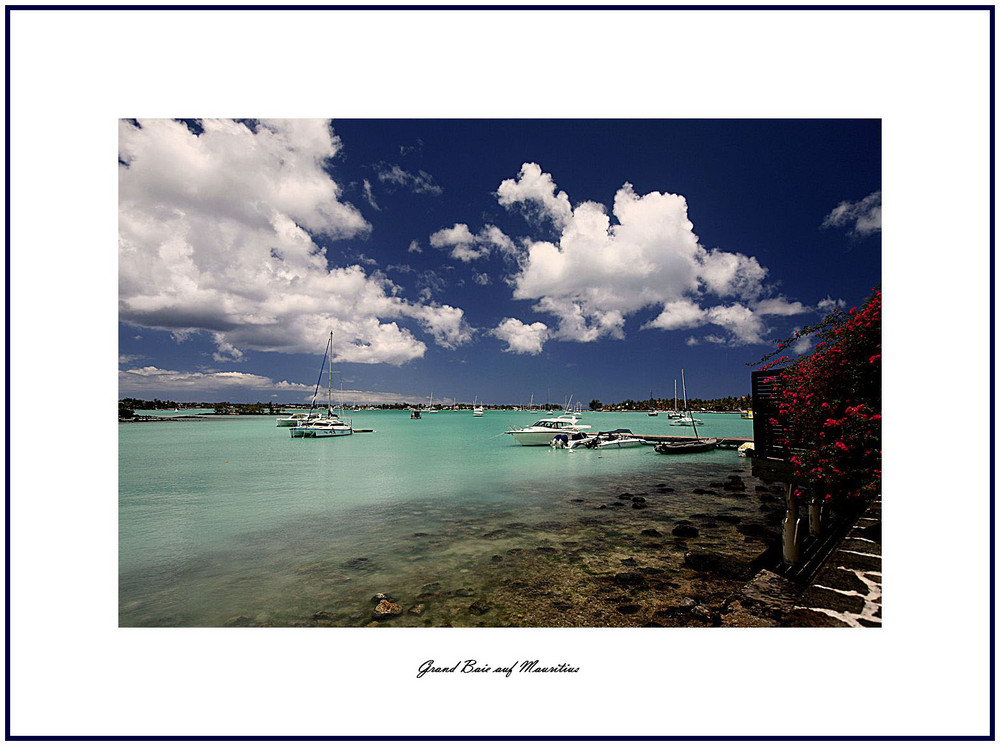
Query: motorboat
pixel 573 440
pixel 697 445
pixel 652 413
pixel 620 438
pixel 298 418
pixel 542 432
pixel 414 414
pixel 747 415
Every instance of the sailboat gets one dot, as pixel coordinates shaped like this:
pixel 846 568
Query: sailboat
pixel 674 414
pixel 477 409
pixel 329 425
pixel 690 446
pixel 685 419
pixel 652 412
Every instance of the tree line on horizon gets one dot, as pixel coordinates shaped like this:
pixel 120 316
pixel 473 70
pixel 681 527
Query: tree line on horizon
pixel 128 405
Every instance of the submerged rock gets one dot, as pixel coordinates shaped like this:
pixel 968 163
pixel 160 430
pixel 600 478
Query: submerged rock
pixel 238 621
pixel 479 607
pixel 685 531
pixel 720 564
pixel 651 532
pixel 631 579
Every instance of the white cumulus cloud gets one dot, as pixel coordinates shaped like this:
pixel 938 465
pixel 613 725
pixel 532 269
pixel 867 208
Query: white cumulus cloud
pixel 466 246
pixel 153 381
pixel 605 267
pixel 217 233
pixel 521 338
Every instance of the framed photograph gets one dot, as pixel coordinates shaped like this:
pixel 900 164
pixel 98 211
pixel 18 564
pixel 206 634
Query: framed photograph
pixel 502 359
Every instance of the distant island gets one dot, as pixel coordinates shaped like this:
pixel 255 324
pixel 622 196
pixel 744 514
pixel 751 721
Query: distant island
pixel 128 406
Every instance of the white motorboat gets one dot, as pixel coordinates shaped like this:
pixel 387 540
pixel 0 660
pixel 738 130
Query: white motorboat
pixel 329 425
pixel 572 440
pixel 542 432
pixel 298 418
pixel 621 438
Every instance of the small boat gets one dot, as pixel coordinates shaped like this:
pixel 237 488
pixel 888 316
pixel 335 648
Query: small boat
pixel 620 438
pixel 697 445
pixel 573 440
pixel 477 409
pixel 652 412
pixel 298 418
pixel 542 432
pixel 323 426
pixel 745 450
pixel 747 415
pixel 414 414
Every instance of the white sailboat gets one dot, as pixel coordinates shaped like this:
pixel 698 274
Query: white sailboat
pixel 330 425
pixel 697 444
pixel 674 414
pixel 686 420
pixel 477 409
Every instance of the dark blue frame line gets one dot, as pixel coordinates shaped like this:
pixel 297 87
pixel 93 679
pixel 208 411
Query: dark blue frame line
pixel 499 7
pixel 990 8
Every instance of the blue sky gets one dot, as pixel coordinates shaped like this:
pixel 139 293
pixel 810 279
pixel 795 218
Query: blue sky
pixel 483 258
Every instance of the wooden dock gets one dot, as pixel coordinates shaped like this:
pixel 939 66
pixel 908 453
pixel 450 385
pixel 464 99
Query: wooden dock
pixel 724 442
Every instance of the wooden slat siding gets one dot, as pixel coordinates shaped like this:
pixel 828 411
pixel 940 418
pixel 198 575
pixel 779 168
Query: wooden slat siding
pixel 770 441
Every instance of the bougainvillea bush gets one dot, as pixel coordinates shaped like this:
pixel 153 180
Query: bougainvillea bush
pixel 830 403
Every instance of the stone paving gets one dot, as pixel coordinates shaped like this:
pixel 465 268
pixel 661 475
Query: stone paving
pixel 847 592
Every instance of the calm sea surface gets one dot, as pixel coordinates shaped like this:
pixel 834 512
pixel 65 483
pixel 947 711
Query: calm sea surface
pixel 228 520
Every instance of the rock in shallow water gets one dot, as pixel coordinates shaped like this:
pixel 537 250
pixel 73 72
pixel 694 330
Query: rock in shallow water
pixel 631 579
pixel 386 609
pixel 684 531
pixel 479 607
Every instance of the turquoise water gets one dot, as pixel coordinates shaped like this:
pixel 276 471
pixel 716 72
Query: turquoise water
pixel 230 520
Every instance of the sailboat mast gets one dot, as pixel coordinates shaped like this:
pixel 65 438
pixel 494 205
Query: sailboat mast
pixel 686 410
pixel 675 394
pixel 329 378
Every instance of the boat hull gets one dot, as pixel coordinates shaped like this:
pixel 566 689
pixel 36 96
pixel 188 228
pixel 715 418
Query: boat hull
pixel 535 438
pixel 700 446
pixel 622 443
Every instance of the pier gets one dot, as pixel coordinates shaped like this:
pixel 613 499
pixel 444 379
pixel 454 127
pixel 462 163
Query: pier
pixel 724 442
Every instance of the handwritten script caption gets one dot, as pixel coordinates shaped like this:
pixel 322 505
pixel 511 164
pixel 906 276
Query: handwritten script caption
pixel 474 666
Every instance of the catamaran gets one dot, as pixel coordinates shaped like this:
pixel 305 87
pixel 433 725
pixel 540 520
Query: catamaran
pixel 323 426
